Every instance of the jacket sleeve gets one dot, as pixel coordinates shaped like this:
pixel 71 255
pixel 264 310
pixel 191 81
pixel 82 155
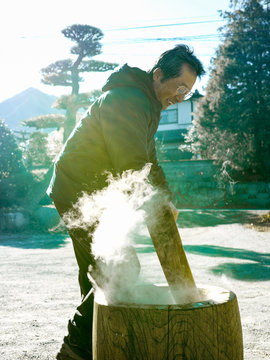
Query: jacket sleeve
pixel 124 116
pixel 157 176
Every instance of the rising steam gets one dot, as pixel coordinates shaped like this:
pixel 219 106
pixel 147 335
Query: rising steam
pixel 111 217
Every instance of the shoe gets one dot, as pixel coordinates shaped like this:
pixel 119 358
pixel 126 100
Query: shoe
pixel 66 353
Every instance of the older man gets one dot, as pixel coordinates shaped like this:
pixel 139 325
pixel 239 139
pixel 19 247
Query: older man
pixel 116 134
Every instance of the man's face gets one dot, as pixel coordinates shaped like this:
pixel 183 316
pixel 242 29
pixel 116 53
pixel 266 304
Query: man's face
pixel 167 92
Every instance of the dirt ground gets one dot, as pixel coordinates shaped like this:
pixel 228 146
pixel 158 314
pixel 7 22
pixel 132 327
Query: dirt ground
pixel 39 291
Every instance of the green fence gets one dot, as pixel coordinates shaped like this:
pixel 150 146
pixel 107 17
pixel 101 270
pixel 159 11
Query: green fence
pixel 194 185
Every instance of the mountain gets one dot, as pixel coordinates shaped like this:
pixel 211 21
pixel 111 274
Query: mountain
pixel 27 104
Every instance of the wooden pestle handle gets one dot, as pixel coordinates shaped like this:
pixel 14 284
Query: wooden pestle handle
pixel 168 245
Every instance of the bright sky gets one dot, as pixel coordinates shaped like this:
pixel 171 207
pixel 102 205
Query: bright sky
pixel 31 38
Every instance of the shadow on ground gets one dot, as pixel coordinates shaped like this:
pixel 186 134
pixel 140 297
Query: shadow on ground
pixel 213 217
pixel 258 270
pixel 244 272
pixel 37 241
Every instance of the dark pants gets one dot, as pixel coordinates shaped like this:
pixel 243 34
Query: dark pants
pixel 79 336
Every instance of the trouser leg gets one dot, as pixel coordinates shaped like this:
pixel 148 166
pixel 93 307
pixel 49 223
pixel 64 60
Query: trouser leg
pixel 79 337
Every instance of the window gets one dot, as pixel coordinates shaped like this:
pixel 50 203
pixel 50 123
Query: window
pixel 169 117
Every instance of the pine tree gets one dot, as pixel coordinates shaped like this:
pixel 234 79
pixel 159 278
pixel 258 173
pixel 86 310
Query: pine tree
pixel 68 72
pixel 232 124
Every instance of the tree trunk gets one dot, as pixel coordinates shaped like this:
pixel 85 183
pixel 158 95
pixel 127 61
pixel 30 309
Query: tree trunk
pixel 75 82
pixel 75 75
pixel 206 330
pixel 70 121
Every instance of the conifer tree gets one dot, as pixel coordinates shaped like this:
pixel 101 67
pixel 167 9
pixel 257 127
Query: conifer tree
pixel 68 72
pixel 232 122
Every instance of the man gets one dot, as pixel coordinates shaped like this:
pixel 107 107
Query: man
pixel 116 134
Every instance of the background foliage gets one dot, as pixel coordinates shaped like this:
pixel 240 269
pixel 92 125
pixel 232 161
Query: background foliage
pixel 232 124
pixel 15 180
pixel 68 72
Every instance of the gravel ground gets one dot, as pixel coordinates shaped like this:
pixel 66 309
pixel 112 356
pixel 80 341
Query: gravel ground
pixel 39 291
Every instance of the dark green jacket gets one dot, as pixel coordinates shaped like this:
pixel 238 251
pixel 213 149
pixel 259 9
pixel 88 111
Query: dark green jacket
pixel 116 134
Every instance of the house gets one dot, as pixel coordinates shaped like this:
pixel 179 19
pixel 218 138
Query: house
pixel 174 124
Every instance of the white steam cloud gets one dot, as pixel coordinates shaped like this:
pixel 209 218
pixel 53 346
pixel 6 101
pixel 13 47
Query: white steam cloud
pixel 112 217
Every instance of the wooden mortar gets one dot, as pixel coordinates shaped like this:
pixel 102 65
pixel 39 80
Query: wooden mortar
pixel 206 330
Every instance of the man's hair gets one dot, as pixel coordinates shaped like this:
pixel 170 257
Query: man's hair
pixel 171 61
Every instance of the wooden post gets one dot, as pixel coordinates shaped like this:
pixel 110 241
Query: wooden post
pixel 171 254
pixel 207 330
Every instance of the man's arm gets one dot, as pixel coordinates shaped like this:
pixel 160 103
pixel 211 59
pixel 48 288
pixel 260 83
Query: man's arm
pixel 157 175
pixel 125 128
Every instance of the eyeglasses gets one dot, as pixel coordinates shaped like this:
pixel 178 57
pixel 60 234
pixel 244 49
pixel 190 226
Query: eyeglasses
pixel 183 90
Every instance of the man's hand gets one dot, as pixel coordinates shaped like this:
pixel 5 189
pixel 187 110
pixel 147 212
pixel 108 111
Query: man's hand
pixel 175 211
